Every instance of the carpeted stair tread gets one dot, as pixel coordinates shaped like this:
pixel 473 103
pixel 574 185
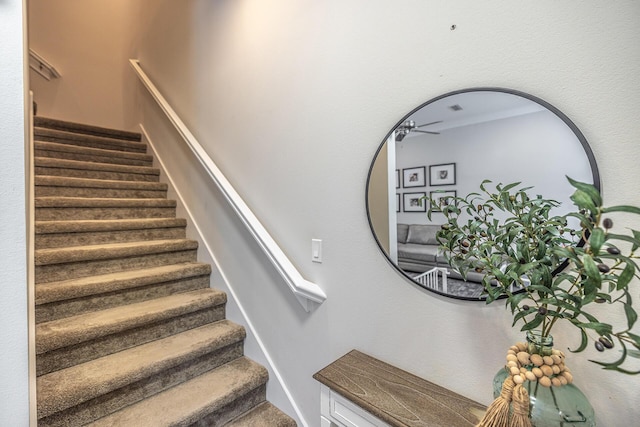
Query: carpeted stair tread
pixel 91 188
pixel 85 286
pixel 111 251
pixel 50 123
pixel 80 383
pixel 107 202
pixel 73 330
pixel 84 140
pixel 62 181
pixel 79 226
pixel 98 155
pixel 191 401
pixel 263 415
pixel 65 167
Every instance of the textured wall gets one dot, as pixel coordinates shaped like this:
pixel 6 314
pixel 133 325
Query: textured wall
pixel 14 393
pixel 292 98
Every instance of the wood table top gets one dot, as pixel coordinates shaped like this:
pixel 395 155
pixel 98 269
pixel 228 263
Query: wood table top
pixel 396 396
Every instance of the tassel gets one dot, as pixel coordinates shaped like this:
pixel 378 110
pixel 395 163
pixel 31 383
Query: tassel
pixel 497 414
pixel 520 406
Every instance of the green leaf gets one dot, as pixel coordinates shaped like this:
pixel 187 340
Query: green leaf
pixel 583 201
pixel 583 343
pixel 631 314
pixel 589 189
pixel 622 208
pixel 592 270
pixel 533 324
pixel 596 240
pixel 625 277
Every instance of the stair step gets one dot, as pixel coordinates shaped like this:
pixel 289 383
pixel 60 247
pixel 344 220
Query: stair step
pixel 98 155
pixel 78 339
pixel 80 208
pixel 56 264
pixel 263 415
pixel 73 168
pixel 55 234
pixel 85 392
pixel 211 399
pixel 52 186
pixel 85 129
pixel 84 140
pixel 56 300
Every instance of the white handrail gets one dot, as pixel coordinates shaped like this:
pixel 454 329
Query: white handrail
pixel 41 66
pixel 305 291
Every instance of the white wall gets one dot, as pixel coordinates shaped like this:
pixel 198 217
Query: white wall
pixel 89 42
pixel 537 149
pixel 14 383
pixel 291 99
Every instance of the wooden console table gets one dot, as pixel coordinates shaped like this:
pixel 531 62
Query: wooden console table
pixel 361 391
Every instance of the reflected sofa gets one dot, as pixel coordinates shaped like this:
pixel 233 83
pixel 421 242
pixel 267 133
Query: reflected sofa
pixel 418 251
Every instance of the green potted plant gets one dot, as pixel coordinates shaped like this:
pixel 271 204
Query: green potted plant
pixel 547 268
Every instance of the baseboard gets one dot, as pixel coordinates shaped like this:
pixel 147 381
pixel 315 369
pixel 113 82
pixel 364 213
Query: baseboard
pixel 218 276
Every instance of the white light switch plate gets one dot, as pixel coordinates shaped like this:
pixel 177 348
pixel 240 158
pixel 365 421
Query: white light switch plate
pixel 316 250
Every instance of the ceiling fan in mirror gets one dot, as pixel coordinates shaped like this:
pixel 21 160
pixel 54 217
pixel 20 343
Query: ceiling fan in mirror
pixel 410 126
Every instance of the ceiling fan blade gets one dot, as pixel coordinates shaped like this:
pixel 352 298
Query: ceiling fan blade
pixel 429 124
pixel 425 131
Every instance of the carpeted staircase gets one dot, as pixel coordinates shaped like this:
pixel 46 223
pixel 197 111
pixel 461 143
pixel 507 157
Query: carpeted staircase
pixel 128 331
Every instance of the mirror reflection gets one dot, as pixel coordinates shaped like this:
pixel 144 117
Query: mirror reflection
pixel 448 146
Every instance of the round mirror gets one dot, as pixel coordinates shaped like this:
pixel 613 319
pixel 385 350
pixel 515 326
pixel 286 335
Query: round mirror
pixel 447 147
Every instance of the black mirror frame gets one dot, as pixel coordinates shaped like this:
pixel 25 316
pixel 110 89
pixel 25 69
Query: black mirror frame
pixel 548 106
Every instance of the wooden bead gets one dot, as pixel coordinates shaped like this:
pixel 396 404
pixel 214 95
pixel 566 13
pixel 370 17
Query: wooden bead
pixel 555 382
pixel 511 358
pixel 530 376
pixel 523 357
pixel 518 379
pixel 547 360
pixel 568 376
pixel 545 381
pixel 555 369
pixel 514 370
pixel 514 348
pixel 537 372
pixel 521 346
pixel 546 370
pixel 562 379
pixel 556 359
pixel 511 364
pixel 537 360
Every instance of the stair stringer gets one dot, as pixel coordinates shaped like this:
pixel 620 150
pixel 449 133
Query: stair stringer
pixel 254 348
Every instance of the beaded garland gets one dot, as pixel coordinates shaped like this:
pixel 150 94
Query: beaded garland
pixel 549 370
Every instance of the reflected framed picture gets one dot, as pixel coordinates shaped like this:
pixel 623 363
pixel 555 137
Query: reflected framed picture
pixel 414 177
pixel 414 202
pixel 444 174
pixel 397 203
pixel 397 178
pixel 441 198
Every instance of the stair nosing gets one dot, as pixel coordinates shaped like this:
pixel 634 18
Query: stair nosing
pixel 49 256
pixel 75 182
pixel 56 163
pixel 100 152
pixel 60 333
pixel 172 400
pixel 64 290
pixel 51 123
pixel 70 386
pixel 43 227
pixel 100 202
pixel 75 137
